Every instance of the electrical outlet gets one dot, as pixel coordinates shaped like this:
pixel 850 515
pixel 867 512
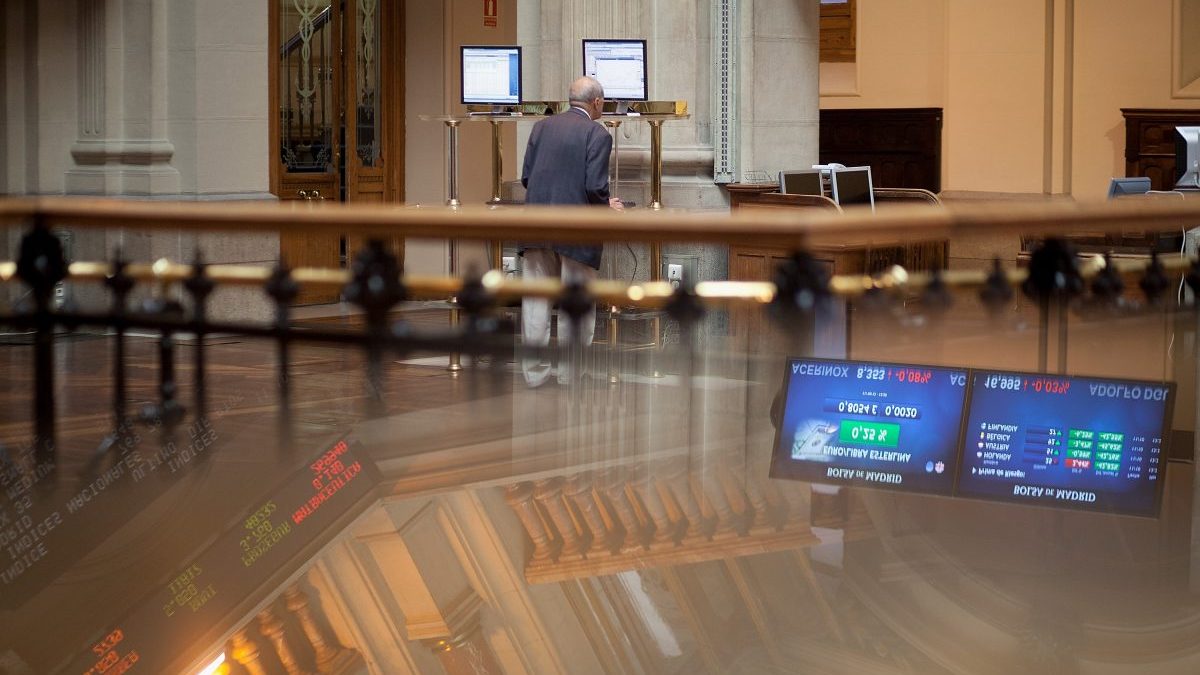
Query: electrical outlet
pixel 674 274
pixel 508 264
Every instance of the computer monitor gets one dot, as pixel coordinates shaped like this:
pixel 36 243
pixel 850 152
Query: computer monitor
pixel 1187 157
pixel 619 66
pixel 806 182
pixel 852 185
pixel 491 75
pixel 869 424
pixel 1121 187
pixel 1096 444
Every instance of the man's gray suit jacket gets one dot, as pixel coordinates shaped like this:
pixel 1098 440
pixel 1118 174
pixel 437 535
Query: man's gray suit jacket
pixel 566 162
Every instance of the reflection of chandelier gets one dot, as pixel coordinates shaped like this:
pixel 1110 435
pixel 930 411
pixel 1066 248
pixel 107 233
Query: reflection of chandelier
pixel 367 52
pixel 304 87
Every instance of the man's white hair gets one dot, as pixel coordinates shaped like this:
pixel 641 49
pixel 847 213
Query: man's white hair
pixel 585 90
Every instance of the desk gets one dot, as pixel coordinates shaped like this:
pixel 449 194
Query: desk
pixel 749 263
pixel 453 122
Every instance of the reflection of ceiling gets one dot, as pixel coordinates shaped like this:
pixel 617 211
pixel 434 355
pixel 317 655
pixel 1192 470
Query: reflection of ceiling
pixel 992 588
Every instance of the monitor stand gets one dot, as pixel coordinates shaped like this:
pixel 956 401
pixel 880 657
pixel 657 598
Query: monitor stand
pixel 622 107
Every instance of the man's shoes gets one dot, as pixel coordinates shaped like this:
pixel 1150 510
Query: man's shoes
pixel 538 375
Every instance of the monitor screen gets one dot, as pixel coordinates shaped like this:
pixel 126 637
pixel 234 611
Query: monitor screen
pixel 807 182
pixel 619 66
pixel 1120 187
pixel 1075 442
pixel 491 75
pixel 1187 157
pixel 878 425
pixel 852 185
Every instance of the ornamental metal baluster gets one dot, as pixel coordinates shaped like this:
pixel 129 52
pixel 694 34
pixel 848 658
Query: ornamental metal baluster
pixel 283 289
pixel 477 303
pixel 168 412
pixel 41 265
pixel 376 287
pixel 802 290
pixel 1053 280
pixel 200 286
pixel 120 284
pixel 575 303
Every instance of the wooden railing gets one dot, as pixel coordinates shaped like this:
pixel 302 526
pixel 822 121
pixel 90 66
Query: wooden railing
pixel 795 231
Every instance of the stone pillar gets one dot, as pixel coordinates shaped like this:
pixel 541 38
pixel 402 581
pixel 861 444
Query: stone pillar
pixel 779 101
pixel 122 147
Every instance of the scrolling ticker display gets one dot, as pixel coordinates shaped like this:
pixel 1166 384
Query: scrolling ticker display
pixel 210 589
pixel 1076 442
pixel 1070 442
pixel 870 424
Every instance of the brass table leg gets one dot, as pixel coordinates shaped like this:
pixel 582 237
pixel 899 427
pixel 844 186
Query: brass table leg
pixel 655 164
pixel 497 162
pixel 452 165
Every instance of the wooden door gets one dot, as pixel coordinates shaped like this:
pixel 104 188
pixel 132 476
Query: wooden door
pixel 337 86
pixel 374 92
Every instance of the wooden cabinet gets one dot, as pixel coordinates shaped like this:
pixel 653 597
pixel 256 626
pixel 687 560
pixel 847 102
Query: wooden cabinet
pixel 1150 143
pixel 903 146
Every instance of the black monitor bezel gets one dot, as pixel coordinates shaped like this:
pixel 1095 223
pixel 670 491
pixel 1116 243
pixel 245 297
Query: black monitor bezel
pixel 820 181
pixel 462 84
pixel 645 64
pixel 782 466
pixel 833 183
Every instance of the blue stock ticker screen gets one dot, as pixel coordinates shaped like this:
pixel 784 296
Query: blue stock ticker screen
pixel 1075 442
pixel 870 424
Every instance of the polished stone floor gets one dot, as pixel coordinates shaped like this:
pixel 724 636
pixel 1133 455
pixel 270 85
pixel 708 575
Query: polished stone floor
pixel 857 581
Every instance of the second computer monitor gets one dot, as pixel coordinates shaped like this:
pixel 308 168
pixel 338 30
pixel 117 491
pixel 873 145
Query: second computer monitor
pixel 806 182
pixel 1120 187
pixel 619 66
pixel 852 185
pixel 1187 158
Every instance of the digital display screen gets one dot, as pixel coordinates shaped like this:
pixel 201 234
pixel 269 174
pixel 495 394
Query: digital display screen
pixel 619 66
pixel 491 75
pixel 208 590
pixel 1075 442
pixel 870 424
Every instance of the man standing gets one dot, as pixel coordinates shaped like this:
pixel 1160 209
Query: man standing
pixel 566 162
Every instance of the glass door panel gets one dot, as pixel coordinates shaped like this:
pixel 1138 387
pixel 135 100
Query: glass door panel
pixel 306 88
